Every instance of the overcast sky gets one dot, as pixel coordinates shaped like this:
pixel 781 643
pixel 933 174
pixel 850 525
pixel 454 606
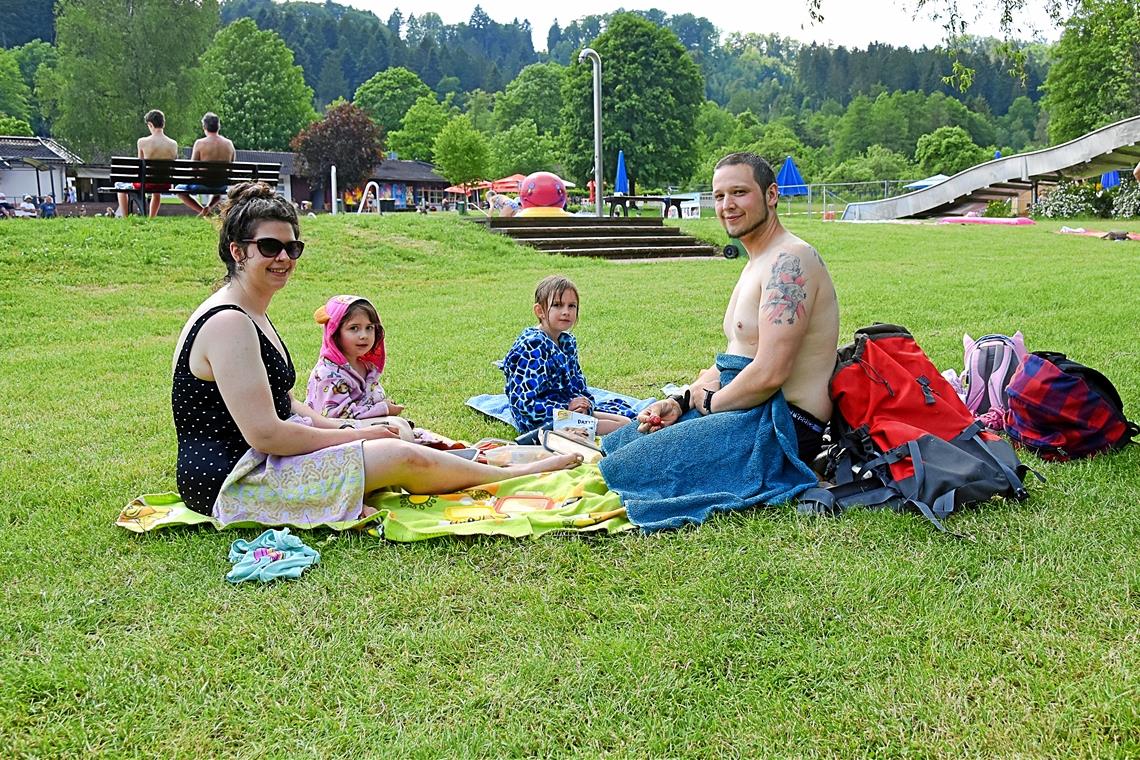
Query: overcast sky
pixel 853 23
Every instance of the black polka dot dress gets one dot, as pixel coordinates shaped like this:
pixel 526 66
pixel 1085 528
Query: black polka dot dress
pixel 209 442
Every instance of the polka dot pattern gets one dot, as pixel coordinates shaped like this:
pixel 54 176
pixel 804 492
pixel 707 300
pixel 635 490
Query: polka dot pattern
pixel 209 442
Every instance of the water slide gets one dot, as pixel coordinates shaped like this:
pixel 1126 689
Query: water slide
pixel 1116 146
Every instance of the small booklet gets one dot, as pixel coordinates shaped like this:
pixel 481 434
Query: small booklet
pixel 573 423
pixel 561 443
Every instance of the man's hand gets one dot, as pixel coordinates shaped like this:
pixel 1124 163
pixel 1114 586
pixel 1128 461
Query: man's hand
pixel 697 394
pixel 658 415
pixel 579 404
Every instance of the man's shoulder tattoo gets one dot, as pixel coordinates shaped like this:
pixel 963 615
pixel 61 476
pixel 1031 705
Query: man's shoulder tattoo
pixel 784 295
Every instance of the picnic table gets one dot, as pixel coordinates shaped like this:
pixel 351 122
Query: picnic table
pixel 139 176
pixel 623 202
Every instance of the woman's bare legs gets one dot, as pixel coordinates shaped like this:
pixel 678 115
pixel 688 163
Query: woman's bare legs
pixel 418 469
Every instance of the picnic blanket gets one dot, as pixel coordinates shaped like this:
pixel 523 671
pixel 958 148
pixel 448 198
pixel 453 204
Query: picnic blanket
pixel 576 501
pixel 496 406
pixel 704 464
pixel 1103 235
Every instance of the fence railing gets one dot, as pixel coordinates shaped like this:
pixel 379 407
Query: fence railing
pixel 826 198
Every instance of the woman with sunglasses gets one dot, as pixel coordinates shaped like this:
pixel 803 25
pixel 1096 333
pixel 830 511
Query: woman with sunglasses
pixel 247 450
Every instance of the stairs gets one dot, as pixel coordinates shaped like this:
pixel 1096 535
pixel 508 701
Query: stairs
pixel 605 237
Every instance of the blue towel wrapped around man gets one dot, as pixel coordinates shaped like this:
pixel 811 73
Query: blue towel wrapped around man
pixel 683 473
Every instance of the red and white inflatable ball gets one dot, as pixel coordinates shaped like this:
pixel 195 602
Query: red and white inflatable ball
pixel 543 190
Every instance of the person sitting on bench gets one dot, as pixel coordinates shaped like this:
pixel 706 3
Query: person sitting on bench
pixel 156 146
pixel 212 147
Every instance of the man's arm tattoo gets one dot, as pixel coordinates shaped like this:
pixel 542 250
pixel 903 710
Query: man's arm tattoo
pixel 785 293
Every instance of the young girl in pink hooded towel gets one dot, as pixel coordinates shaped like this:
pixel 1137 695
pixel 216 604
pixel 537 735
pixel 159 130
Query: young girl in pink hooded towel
pixel 345 383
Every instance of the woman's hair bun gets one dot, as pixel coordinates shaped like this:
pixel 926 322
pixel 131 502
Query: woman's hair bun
pixel 250 190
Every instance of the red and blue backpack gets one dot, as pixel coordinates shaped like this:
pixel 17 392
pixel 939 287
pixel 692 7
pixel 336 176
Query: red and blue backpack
pixel 1060 409
pixel 902 437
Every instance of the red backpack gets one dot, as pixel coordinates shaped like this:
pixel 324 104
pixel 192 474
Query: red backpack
pixel 902 437
pixel 1062 410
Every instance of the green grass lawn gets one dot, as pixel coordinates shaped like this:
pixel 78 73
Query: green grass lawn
pixel 759 634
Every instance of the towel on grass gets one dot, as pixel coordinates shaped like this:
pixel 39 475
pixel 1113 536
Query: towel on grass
pixel 496 406
pixel 704 464
pixel 574 501
pixel 275 554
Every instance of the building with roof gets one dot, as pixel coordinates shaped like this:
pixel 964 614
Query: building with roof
pixel 408 183
pixel 34 166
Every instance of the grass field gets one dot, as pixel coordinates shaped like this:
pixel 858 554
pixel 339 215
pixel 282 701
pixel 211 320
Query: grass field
pixel 758 635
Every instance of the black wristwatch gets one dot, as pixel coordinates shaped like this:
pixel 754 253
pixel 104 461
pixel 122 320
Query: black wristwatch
pixel 708 400
pixel 682 400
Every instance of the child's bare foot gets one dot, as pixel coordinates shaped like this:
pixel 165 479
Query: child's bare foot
pixel 550 464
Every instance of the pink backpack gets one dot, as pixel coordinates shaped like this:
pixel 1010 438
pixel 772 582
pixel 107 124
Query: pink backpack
pixel 990 363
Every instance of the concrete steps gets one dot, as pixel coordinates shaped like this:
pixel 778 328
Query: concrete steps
pixel 605 237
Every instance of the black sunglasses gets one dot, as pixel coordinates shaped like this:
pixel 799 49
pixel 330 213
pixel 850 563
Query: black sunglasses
pixel 270 248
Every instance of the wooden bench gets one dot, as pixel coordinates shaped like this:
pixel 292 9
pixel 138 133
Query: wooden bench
pixel 623 202
pixel 152 175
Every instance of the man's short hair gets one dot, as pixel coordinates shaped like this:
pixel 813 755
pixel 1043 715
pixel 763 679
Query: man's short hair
pixel 156 117
pixel 211 122
pixel 761 171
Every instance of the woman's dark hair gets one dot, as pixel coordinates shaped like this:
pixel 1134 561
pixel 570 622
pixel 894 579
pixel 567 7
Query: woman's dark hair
pixel 247 205
pixel 373 317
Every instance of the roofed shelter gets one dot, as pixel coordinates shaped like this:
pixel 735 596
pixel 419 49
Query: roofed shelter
pixel 407 183
pixel 34 166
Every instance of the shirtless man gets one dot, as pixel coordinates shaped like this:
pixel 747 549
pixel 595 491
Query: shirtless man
pixel 212 147
pixel 157 146
pixel 1136 172
pixel 783 314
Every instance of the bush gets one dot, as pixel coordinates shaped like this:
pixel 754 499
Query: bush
pixel 1067 199
pixel 999 209
pixel 1126 199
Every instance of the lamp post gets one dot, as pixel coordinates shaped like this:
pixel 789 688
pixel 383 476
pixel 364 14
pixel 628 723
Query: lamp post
pixel 596 60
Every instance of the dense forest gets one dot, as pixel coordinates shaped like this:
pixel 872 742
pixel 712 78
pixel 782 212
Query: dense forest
pixel 677 91
pixel 338 48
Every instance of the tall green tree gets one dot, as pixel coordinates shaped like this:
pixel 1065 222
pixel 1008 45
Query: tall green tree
pixel 248 78
pixel 522 149
pixel 462 153
pixel 948 150
pixel 415 139
pixel 120 58
pixel 33 58
pixel 1096 77
pixel 535 94
pixel 10 125
pixel 480 108
pixel 345 138
pixel 388 95
pixel 14 91
pixel 651 94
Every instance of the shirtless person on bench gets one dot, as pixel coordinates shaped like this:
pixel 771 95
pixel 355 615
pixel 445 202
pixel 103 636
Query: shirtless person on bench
pixel 156 146
pixel 212 147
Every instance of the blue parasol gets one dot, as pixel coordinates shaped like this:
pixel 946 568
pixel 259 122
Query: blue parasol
pixel 789 180
pixel 621 181
pixel 1110 179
